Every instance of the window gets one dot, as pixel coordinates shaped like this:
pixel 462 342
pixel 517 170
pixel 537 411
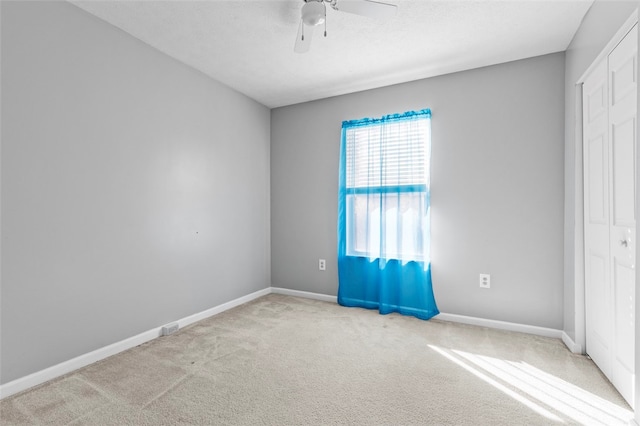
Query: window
pixel 383 215
pixel 386 166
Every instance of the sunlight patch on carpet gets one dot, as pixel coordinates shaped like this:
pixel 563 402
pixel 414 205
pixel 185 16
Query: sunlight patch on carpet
pixel 536 389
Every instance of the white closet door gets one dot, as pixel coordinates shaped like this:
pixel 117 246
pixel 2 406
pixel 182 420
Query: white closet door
pixel 596 219
pixel 622 137
pixel 609 117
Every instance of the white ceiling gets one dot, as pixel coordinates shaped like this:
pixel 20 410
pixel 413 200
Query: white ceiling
pixel 248 45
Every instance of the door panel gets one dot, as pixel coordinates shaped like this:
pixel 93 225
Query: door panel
pixel 597 168
pixel 622 167
pixel 598 321
pixel 598 294
pixel 623 77
pixel 622 65
pixel 624 313
pixel 624 325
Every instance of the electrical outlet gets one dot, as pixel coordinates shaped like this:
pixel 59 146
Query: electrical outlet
pixel 485 281
pixel 169 329
pixel 322 264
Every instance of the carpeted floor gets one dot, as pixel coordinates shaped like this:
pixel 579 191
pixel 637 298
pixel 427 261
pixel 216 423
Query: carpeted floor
pixel 282 360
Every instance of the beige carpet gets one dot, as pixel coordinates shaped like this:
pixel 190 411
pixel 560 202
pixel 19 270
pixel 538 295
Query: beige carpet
pixel 282 360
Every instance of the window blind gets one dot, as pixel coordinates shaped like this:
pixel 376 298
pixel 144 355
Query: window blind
pixel 387 154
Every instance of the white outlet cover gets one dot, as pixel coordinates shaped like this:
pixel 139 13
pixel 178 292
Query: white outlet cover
pixel 485 281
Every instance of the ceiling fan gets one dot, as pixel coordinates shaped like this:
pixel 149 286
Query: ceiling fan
pixel 314 13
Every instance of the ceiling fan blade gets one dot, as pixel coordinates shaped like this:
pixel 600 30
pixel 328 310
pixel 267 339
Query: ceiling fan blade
pixel 368 8
pixel 303 39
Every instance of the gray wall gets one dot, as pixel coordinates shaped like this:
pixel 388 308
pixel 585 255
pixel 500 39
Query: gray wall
pixel 497 187
pixel 599 25
pixel 135 190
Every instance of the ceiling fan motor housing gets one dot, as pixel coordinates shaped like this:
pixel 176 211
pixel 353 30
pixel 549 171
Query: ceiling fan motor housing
pixel 313 13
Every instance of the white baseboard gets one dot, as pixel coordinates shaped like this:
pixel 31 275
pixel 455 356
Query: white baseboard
pixel 501 325
pixel 65 367
pixel 304 294
pixel 221 308
pixel 573 346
